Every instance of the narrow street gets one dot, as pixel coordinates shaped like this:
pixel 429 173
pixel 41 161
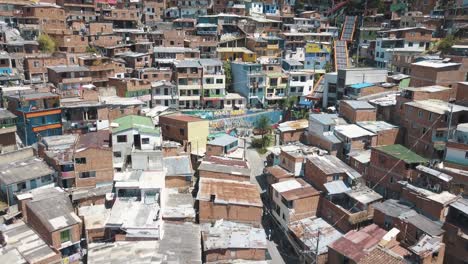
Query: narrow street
pixel 257 165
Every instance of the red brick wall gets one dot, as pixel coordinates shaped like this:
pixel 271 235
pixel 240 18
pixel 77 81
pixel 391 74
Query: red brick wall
pixel 212 150
pixel 291 136
pixel 353 115
pixel 388 137
pixel 97 160
pixel 210 212
pixel 305 207
pixel 232 254
pixel 316 176
pixel 176 182
pixel 317 141
pixel 429 208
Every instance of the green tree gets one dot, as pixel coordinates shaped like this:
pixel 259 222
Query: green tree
pixel 46 43
pixel 446 43
pixel 90 49
pixel 228 74
pixel 291 102
pixel 263 125
pixel 328 67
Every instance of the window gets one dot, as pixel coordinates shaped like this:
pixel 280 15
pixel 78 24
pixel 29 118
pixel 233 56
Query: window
pixel 21 186
pixel 439 134
pixel 466 155
pixel 420 113
pixel 65 236
pixel 121 138
pixel 46 178
pixel 80 160
pixel 117 154
pixel 410 44
pixel 87 174
pixel 182 131
pixel 424 131
pixel 145 141
pixel 430 116
pixel 336 177
pixel 219 81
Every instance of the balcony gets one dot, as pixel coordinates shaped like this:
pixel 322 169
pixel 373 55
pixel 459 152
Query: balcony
pixel 189 98
pixel 77 80
pixel 67 175
pixel 273 46
pixel 275 96
pixel 207 32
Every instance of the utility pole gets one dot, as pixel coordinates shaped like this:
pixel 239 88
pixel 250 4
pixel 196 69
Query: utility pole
pixel 317 247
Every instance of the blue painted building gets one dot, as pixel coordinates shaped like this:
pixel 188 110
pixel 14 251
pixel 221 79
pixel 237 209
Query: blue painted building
pixel 317 54
pixel 292 65
pixel 249 81
pixel 39 114
pixel 5 64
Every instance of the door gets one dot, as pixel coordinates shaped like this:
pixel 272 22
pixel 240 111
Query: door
pixel 137 141
pixel 33 184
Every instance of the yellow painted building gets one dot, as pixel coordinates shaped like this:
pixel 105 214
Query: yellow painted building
pixel 235 53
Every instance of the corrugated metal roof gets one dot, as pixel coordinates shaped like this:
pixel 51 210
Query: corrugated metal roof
pixel 336 187
pixel 231 235
pixel 229 192
pixel 307 231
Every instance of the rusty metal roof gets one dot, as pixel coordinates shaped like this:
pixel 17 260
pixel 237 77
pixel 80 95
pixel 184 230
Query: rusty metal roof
pixel 229 192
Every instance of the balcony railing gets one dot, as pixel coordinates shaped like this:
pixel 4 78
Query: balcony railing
pixel 273 46
pixel 67 174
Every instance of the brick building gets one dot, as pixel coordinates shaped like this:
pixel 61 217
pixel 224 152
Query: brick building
pixel 50 213
pixel 292 131
pixel 426 73
pixel 357 111
pixel 35 66
pixel 131 87
pixel 101 68
pixel 69 80
pixel 355 245
pixel 293 200
pixel 222 145
pixel 43 17
pixel 320 132
pixel 456 230
pixel 426 124
pixel 322 169
pixel 410 94
pixel 354 138
pixel 275 174
pixel 7 131
pixel 390 164
pixel 83 161
pixel 386 133
pixel 224 169
pixel 227 241
pixel 190 131
pixel 431 204
pixel 393 214
pixel 229 200
pixel 348 208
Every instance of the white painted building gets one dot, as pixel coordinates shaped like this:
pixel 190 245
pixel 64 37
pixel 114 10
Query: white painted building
pixel 133 134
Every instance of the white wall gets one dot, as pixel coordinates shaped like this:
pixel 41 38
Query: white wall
pixel 283 209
